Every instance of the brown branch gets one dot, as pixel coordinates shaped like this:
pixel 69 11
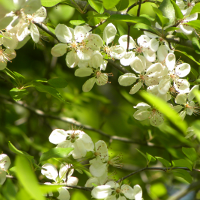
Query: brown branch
pixel 139 8
pixel 119 67
pixel 165 169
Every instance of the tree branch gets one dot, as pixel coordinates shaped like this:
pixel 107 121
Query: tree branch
pixel 119 67
pixel 165 169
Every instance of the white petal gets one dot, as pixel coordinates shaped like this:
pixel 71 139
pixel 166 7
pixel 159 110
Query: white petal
pixel 63 194
pixel 83 71
pixel 31 6
pixel 97 167
pixel 59 50
pixel 63 170
pixel 22 32
pixel 137 65
pixel 136 88
pixel 164 86
pixel 156 118
pixel 2 176
pixel 34 33
pixel 86 140
pixel 182 70
pixel 96 60
pixel 103 65
pixel 142 106
pixel 149 55
pixel 72 181
pixel 150 35
pixel 40 15
pixel 187 30
pixel 72 59
pixel 156 70
pixel 10 40
pixel 113 184
pixel 181 99
pixel 4 162
pixel 117 52
pixel 143 41
pixel 81 33
pixel 127 59
pixel 102 79
pixel 141 115
pixel 57 136
pixel 127 79
pixel 88 85
pixel 50 172
pixel 182 85
pixel 162 52
pixel 109 33
pixel 63 33
pixel 84 54
pixel 101 192
pixel 154 44
pixel 92 181
pixel 191 108
pixel 123 42
pixel 3 64
pixel 83 63
pixel 191 93
pixel 101 150
pixel 137 192
pixel 170 61
pixel 94 42
pixel 127 191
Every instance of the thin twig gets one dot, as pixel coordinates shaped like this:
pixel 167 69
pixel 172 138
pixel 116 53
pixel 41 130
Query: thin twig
pixel 165 169
pixel 139 8
pixel 117 66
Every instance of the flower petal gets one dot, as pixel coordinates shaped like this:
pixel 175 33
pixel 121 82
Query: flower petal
pixel 83 71
pixel 127 79
pixel 57 136
pixel 88 85
pixel 109 33
pixel 50 172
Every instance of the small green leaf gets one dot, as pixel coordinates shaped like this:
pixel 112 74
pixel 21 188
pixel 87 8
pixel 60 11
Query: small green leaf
pixel 97 5
pixel 77 22
pixel 197 94
pixel 195 24
pixel 168 11
pixel 110 4
pixel 183 174
pixel 162 20
pixel 143 155
pixel 9 190
pixel 50 3
pixel 196 45
pixel 171 29
pixel 195 9
pixel 146 27
pixel 164 108
pixel 18 94
pixel 182 163
pixel 131 19
pixel 55 153
pixel 150 158
pixel 122 5
pixel 58 82
pixel 27 178
pixel 190 153
pixel 178 12
pixel 166 163
pixel 102 16
pixel 48 89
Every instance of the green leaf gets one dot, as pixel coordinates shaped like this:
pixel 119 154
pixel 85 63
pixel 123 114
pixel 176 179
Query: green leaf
pixel 190 153
pixel 171 29
pixel 18 94
pixel 55 153
pixel 77 22
pixel 58 82
pixel 195 9
pixel 178 12
pixel 50 3
pixel 110 4
pixel 97 5
pixel 168 11
pixel 196 45
pixel 131 19
pixel 18 152
pixel 183 174
pixel 166 163
pixel 9 190
pixel 27 178
pixel 150 158
pixel 162 20
pixel 197 95
pixel 102 16
pixel 142 153
pixel 182 163
pixel 48 89
pixel 164 108
pixel 189 56
pixel 122 5
pixel 196 128
pixel 195 24
pixel 146 27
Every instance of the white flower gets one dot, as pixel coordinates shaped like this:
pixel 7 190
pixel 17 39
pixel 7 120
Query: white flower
pixel 81 42
pixel 187 101
pixel 182 70
pixel 76 139
pixel 4 165
pixel 6 55
pixel 146 112
pixel 109 33
pixel 113 191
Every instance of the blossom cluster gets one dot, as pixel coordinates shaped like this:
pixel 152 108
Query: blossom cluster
pixel 81 143
pixel 151 60
pixel 4 165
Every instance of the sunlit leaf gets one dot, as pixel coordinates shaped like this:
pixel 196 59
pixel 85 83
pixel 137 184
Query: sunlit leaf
pixel 166 163
pixel 190 153
pixel 162 19
pixel 18 94
pixel 195 9
pixel 178 12
pixel 183 174
pixel 182 163
pixel 50 3
pixel 97 5
pixel 110 4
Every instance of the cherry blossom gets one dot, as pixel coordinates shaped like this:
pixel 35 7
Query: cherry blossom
pixel 4 165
